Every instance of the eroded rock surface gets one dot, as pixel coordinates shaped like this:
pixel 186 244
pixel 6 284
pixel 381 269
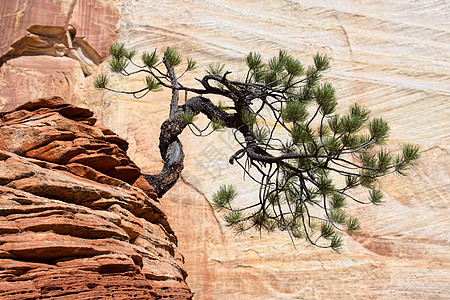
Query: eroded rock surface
pixel 96 20
pixel 76 217
pixel 48 47
pixel 55 41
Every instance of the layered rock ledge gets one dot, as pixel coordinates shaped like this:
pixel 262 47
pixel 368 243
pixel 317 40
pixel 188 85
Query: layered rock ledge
pixel 77 219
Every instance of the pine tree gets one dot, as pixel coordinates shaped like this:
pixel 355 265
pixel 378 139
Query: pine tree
pixel 299 176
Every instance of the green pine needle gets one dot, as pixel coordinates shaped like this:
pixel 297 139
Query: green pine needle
pixel 224 196
pixel 217 124
pixel 117 50
pixel 321 62
pixel 118 65
pixel 254 61
pixel 353 224
pixel 326 98
pixel 297 232
pixel 335 124
pixel 368 159
pixel 152 84
pixel 367 181
pixel 332 144
pixel 261 134
pixel 410 154
pixel 233 218
pixel 293 66
pixel 261 220
pixel 325 185
pixel 326 230
pixel 216 69
pixel 273 198
pixel 129 54
pixel 337 215
pixel 294 111
pixel 336 243
pixel 337 201
pixel 222 106
pixel 312 76
pixel 173 57
pixel 358 112
pixel 376 196
pixel 188 117
pixel 248 118
pixel 408 159
pixel 351 181
pixel 275 64
pixel 384 160
pixel 352 123
pixel 192 64
pixel 101 81
pixel 149 59
pixel 379 130
pixel 301 134
pixel 258 219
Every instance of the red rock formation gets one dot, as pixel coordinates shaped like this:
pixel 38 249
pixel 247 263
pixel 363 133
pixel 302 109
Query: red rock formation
pixel 77 221
pixel 41 53
pixel 96 20
pixel 55 41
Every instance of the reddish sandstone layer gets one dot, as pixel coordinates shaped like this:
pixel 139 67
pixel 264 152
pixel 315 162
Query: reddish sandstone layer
pixel 50 47
pixel 96 20
pixel 46 60
pixel 76 217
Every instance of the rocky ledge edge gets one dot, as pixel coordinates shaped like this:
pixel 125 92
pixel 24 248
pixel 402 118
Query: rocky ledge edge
pixel 77 218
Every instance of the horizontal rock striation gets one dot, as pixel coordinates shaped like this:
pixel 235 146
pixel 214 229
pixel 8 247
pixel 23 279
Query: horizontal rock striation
pixel 97 20
pixel 55 41
pixel 49 48
pixel 77 220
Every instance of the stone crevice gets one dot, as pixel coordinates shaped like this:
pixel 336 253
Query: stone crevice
pixel 55 41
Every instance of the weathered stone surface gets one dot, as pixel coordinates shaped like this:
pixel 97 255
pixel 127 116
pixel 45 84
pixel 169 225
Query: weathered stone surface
pixel 96 21
pixel 68 230
pixel 51 130
pixel 48 47
pixel 388 56
pixel 55 41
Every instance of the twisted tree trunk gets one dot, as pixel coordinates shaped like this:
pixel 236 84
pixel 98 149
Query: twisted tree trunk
pixel 170 146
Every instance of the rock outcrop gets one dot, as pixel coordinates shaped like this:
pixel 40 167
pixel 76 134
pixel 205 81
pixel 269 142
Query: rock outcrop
pixel 96 20
pixel 77 219
pixel 48 48
pixel 55 41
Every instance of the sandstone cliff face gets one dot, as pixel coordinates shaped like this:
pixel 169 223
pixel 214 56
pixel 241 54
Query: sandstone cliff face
pixel 77 219
pixel 48 47
pixel 390 56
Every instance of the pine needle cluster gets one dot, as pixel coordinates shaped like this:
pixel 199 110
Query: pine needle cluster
pixel 350 145
pixel 122 60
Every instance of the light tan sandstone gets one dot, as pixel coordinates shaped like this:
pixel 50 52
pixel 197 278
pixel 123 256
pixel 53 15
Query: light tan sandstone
pixel 390 57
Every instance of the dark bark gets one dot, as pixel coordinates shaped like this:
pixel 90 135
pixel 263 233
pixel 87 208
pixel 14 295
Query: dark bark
pixel 173 166
pixel 170 146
